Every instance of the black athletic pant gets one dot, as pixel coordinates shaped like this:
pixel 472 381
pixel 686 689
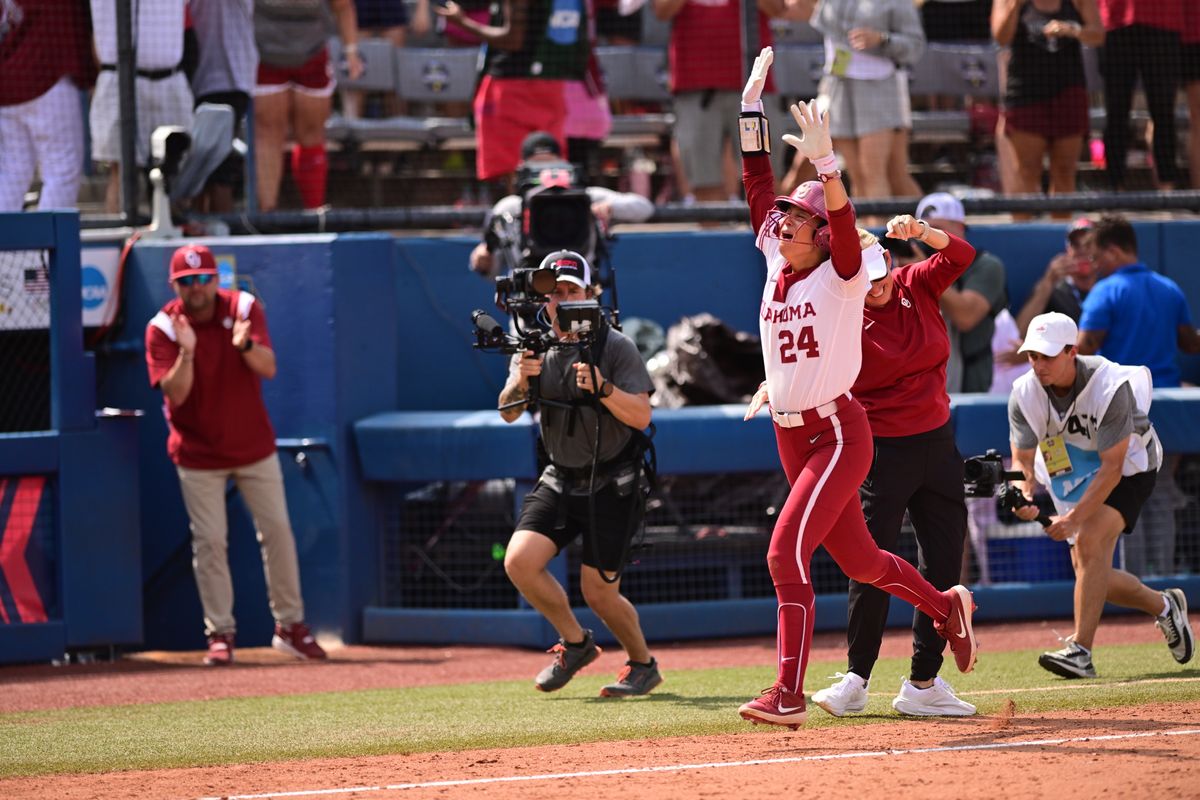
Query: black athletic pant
pixel 924 474
pixel 1154 54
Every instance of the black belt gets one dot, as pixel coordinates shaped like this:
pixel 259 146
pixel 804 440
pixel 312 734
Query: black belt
pixel 149 74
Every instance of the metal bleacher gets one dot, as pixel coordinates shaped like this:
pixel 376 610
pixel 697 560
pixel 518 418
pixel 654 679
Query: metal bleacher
pixel 637 81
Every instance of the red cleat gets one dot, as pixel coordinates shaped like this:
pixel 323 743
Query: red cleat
pixel 776 706
pixel 957 630
pixel 220 650
pixel 297 641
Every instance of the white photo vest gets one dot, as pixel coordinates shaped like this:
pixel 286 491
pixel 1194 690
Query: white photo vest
pixel 1079 425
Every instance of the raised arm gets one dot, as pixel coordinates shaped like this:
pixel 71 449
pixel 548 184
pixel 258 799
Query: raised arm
pixel 757 176
pixel 816 144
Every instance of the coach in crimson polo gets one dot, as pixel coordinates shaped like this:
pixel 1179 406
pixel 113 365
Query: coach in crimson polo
pixel 208 351
pixel 917 467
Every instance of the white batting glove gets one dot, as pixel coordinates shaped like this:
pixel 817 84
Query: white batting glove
pixel 758 77
pixel 756 402
pixel 816 143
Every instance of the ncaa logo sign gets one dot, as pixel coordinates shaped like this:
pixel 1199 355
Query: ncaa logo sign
pixel 436 76
pixel 95 287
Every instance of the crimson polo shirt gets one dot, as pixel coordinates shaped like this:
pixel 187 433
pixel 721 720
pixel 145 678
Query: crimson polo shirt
pixel 223 423
pixel 902 383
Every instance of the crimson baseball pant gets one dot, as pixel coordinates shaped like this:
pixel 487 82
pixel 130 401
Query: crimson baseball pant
pixel 922 473
pixel 825 463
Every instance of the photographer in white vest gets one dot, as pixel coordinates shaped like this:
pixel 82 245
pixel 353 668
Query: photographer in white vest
pixel 1079 426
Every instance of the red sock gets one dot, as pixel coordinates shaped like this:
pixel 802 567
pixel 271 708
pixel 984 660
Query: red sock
pixel 309 168
pixel 795 627
pixel 902 579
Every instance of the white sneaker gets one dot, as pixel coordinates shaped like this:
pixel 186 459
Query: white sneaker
pixel 847 696
pixel 936 701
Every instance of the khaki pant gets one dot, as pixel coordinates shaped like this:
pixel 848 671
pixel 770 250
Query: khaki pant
pixel 261 486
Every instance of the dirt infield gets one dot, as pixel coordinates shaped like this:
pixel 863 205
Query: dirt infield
pixel 1152 751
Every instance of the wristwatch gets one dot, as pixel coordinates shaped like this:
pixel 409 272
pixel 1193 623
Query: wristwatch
pixel 606 389
pixel 247 346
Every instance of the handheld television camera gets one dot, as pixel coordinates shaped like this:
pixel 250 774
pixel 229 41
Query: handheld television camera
pixel 985 476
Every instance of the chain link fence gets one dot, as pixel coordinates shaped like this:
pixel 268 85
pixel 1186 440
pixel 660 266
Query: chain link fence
pixel 24 341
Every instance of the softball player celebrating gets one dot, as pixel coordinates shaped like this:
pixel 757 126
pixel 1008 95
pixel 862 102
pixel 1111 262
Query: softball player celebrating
pixel 811 319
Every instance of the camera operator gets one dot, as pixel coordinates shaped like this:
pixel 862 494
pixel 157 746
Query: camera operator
pixel 594 401
pixel 608 206
pixel 1079 425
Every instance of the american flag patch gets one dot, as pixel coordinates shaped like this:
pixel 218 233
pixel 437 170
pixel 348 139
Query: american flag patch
pixel 37 280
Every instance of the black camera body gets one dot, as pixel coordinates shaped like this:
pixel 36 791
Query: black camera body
pixel 982 475
pixel 985 476
pixel 556 214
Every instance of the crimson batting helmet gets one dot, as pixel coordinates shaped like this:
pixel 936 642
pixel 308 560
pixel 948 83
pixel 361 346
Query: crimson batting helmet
pixel 808 197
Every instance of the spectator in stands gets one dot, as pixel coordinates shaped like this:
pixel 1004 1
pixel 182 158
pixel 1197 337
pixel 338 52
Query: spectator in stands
pixel 865 88
pixel 608 207
pixel 589 115
pixel 295 84
pixel 1190 63
pixel 1079 426
pixel 388 20
pixel 46 59
pixel 916 468
pixel 707 58
pixel 1068 278
pixel 208 350
pixel 163 96
pixel 1142 40
pixel 1134 315
pixel 598 495
pixel 1045 93
pixel 225 74
pixel 971 304
pixel 531 51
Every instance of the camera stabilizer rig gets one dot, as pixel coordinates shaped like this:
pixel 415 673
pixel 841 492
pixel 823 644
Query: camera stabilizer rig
pixel 984 475
pixel 582 319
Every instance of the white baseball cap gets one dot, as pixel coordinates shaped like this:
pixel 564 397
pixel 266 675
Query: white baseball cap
pixel 876 260
pixel 941 205
pixel 1049 334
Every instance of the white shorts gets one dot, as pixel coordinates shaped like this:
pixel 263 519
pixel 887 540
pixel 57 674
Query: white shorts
pixel 162 102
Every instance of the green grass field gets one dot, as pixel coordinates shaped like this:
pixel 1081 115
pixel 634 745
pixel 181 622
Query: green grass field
pixel 511 713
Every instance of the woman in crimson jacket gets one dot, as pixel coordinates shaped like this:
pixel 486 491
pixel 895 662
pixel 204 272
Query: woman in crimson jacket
pixel 916 467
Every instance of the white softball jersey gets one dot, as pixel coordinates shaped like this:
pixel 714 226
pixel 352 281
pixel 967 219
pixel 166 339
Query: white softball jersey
pixel 812 335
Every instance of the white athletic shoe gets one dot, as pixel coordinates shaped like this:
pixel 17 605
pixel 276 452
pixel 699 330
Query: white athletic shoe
pixel 938 700
pixel 847 696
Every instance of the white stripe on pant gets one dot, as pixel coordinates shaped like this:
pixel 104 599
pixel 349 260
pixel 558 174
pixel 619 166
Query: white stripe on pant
pixel 261 486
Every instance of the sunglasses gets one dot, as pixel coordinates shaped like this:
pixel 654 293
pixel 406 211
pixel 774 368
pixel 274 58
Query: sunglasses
pixel 189 280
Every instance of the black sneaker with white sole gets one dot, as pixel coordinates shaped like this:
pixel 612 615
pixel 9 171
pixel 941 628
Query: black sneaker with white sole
pixel 1175 626
pixel 1070 662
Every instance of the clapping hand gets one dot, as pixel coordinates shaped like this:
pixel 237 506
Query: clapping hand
pixel 816 142
pixel 185 335
pixel 758 76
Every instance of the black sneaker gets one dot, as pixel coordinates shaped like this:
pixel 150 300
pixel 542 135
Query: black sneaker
pixel 1175 626
pixel 635 679
pixel 568 659
pixel 1070 662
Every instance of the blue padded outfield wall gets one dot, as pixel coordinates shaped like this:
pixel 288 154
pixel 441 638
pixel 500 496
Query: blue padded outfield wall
pixel 368 328
pixel 69 526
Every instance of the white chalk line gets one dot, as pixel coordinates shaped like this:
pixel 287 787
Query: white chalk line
pixel 555 776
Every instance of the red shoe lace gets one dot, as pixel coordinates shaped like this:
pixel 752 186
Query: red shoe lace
pixel 560 652
pixel 624 673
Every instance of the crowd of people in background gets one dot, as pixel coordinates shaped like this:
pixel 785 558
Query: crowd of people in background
pixel 539 71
